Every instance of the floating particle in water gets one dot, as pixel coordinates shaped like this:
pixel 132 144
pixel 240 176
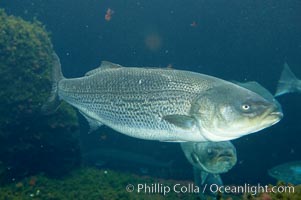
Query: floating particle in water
pixel 194 24
pixel 153 41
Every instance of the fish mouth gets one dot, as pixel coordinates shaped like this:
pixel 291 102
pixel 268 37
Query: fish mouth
pixel 226 155
pixel 224 158
pixel 222 165
pixel 275 116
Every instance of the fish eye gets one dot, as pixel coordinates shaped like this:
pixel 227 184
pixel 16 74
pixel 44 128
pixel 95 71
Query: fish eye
pixel 246 107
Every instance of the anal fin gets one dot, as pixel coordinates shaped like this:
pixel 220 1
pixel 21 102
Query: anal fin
pixel 94 124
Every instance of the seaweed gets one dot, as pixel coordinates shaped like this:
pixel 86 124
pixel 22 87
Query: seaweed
pixel 286 192
pixel 90 183
pixel 87 183
pixel 30 141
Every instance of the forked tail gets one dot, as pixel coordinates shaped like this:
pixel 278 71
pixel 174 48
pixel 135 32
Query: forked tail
pixel 53 101
pixel 287 82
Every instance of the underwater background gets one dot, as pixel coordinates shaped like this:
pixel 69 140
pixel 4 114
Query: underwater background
pixel 233 40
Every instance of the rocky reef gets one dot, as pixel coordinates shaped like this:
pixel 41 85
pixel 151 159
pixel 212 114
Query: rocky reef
pixel 281 191
pixel 88 183
pixel 91 183
pixel 31 142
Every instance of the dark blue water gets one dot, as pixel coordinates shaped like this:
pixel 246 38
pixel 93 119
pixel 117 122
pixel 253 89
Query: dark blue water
pixel 233 40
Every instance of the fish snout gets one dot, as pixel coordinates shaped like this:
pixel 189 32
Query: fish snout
pixel 225 157
pixel 229 153
pixel 228 158
pixel 225 163
pixel 275 113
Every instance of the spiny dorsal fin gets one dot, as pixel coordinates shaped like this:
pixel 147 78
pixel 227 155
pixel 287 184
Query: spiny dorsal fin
pixel 257 88
pixel 103 66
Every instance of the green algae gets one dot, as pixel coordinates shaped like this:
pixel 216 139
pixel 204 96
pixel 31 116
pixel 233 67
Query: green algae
pixel 87 183
pixel 281 191
pixel 26 135
pixel 91 183
pixel 25 65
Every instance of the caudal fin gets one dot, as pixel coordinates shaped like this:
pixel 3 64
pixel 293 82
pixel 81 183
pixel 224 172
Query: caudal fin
pixel 53 101
pixel 288 81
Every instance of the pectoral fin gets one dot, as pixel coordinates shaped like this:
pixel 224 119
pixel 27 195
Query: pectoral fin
pixel 197 176
pixel 204 176
pixel 182 121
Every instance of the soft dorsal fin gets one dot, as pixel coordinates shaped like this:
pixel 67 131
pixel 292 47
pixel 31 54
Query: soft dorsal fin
pixel 103 66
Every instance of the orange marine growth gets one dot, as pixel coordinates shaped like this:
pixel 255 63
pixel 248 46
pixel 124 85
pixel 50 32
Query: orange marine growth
pixel 109 14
